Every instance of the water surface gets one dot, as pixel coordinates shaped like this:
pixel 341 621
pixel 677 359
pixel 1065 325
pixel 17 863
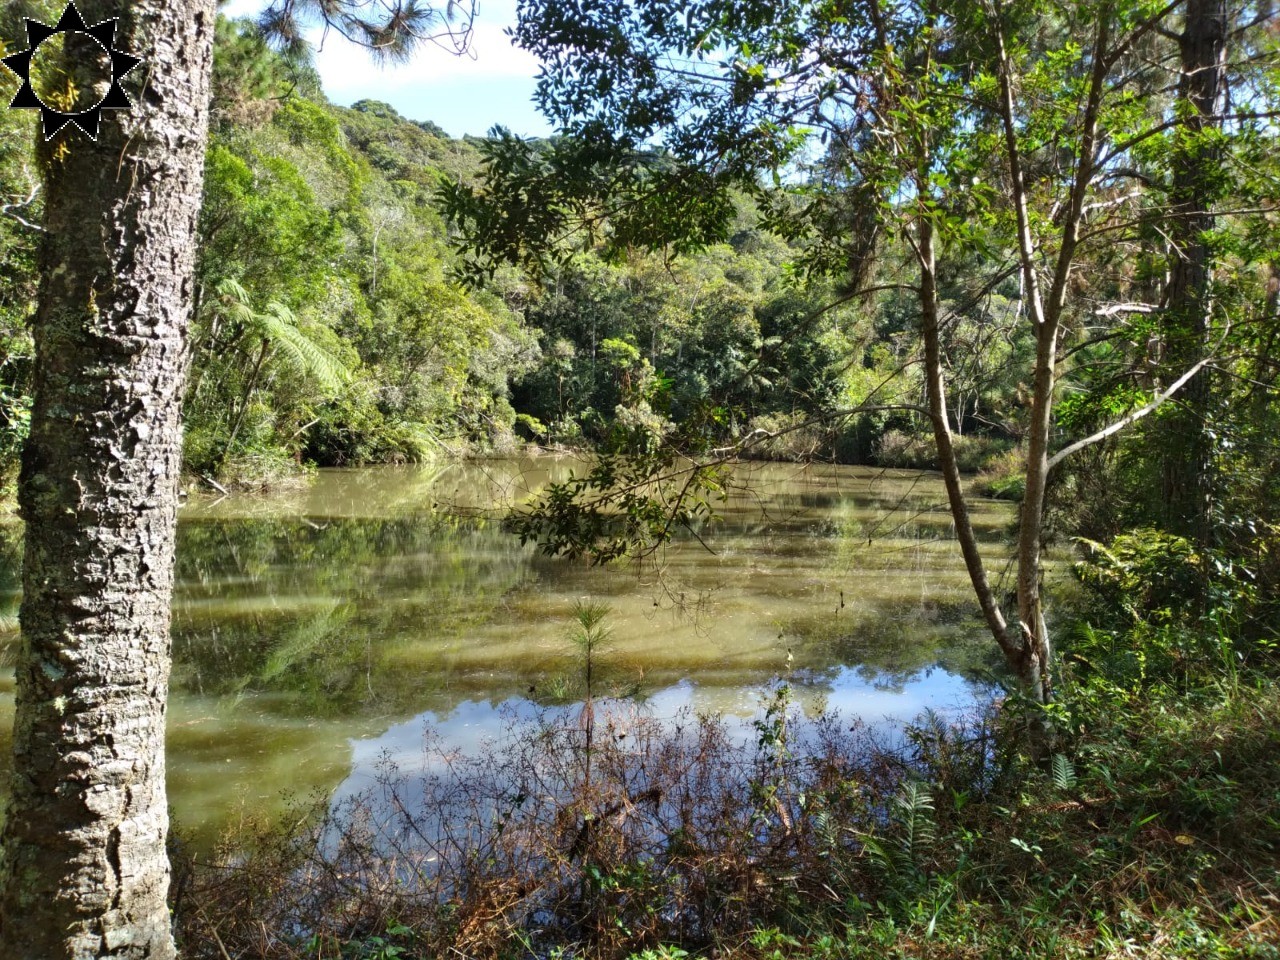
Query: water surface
pixel 316 631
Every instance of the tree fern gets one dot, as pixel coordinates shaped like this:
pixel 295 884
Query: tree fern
pixel 279 326
pixel 279 340
pixel 233 301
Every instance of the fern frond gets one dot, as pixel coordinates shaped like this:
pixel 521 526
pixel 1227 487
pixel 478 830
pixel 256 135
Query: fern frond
pixel 280 326
pixel 232 300
pixel 883 858
pixel 913 808
pixel 1063 772
pixel 229 289
pixel 826 830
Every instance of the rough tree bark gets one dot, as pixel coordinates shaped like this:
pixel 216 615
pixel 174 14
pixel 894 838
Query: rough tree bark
pixel 1188 461
pixel 84 870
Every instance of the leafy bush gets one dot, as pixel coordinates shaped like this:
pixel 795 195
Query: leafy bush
pixel 905 450
pixel 1146 575
pixel 797 439
pixel 1004 476
pixel 915 450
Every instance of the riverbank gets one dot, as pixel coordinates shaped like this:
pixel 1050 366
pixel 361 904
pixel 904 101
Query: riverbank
pixel 1151 834
pixel 994 465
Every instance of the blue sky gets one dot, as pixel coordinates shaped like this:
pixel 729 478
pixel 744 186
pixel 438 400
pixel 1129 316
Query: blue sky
pixel 464 95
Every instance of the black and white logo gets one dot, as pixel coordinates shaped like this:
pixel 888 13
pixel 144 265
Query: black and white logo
pixel 53 119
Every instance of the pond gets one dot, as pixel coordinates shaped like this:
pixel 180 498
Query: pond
pixel 317 631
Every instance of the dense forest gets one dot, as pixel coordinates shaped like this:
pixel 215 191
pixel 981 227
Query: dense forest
pixel 331 327
pixel 1031 248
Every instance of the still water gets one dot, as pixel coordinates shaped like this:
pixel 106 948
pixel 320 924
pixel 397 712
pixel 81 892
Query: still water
pixel 317 631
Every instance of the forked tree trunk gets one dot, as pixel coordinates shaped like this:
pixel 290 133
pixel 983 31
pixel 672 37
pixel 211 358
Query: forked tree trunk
pixel 1025 642
pixel 84 869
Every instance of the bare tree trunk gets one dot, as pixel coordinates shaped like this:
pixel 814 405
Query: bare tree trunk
pixel 1025 651
pixel 935 390
pixel 1188 460
pixel 1034 664
pixel 84 870
pixel 246 396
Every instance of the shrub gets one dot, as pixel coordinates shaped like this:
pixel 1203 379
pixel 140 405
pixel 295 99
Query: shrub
pixel 795 441
pixel 1003 476
pixel 906 450
pixel 916 451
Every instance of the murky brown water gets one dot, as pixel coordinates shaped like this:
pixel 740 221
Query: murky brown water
pixel 317 629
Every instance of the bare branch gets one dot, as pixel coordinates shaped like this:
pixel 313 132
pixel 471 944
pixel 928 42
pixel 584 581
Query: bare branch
pixel 7 209
pixel 1111 309
pixel 1129 418
pixel 759 435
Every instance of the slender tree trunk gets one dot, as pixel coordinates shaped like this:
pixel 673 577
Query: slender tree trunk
pixel 246 396
pixel 1035 662
pixel 1188 460
pixel 84 870
pixel 935 391
pixel 1026 651
pixel 1032 659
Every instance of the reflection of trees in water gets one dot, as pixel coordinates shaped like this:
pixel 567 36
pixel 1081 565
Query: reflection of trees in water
pixel 319 611
pixel 347 617
pixel 892 644
pixel 365 617
pixel 356 604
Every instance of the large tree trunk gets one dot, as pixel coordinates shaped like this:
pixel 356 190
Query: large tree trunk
pixel 1188 459
pixel 84 866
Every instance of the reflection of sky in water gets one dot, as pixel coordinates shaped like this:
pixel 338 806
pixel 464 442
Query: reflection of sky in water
pixel 476 727
pixel 338 620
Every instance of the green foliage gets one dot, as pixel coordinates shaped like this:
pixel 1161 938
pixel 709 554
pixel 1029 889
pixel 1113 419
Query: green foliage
pixel 391 31
pixel 249 80
pixel 22 211
pixel 622 506
pixel 545 201
pixel 357 348
pixel 1145 575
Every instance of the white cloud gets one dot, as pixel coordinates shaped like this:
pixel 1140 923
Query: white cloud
pixel 241 8
pixel 493 83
